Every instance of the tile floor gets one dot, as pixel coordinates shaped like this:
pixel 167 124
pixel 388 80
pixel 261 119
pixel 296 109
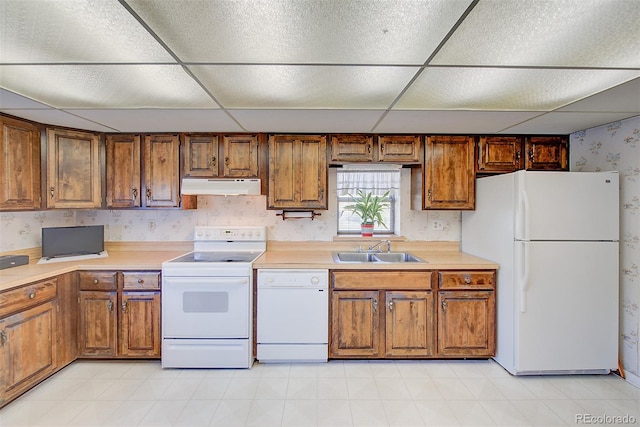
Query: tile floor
pixel 339 393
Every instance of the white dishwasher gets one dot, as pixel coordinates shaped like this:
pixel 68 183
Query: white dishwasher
pixel 293 315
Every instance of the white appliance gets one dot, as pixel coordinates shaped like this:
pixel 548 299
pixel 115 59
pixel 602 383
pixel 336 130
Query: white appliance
pixel 293 315
pixel 207 300
pixel 221 186
pixel 555 236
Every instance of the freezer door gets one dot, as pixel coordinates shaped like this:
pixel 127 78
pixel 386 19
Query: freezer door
pixel 567 205
pixel 566 306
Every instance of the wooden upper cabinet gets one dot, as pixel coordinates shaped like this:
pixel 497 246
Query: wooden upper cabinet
pixel 399 148
pixel 74 177
pixel 20 151
pixel 498 154
pixel 201 157
pixel 123 171
pixel 351 148
pixel 240 156
pixel 546 153
pixel 449 178
pixel 161 171
pixel 297 172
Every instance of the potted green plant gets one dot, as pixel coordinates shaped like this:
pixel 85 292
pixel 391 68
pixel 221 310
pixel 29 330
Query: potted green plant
pixel 369 208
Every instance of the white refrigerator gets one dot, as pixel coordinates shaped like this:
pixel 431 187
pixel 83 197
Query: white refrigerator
pixel 555 236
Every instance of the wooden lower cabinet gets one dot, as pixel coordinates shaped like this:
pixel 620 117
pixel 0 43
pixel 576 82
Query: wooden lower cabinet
pixel 27 339
pixel 123 320
pixel 355 329
pixel 409 323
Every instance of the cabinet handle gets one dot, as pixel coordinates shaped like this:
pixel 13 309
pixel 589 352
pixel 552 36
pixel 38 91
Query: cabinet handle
pixel 110 306
pixel 135 193
pixel 52 190
pixel 214 161
pixel 390 305
pixel 3 338
pixel 382 148
pixel 531 154
pixel 141 281
pixel 517 154
pixel 467 279
pixel 368 149
pixel 124 306
pixel 148 193
pixel 429 194
pixel 226 161
pixel 444 305
pixel 32 295
pixel 375 306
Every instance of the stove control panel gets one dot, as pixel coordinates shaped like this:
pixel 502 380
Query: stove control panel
pixel 235 233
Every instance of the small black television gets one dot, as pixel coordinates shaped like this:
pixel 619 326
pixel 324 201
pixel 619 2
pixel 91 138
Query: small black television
pixel 72 241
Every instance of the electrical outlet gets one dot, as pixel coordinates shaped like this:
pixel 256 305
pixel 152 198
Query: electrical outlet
pixel 151 225
pixel 437 225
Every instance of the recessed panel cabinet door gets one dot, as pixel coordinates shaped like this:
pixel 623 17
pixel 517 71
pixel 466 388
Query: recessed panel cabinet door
pixel 546 153
pixel 500 153
pixel 123 171
pixel 20 154
pixel 98 324
pixel 161 171
pixel 240 156
pixel 27 349
pixel 74 178
pixel 201 156
pixel 355 327
pixel 409 323
pixel 140 324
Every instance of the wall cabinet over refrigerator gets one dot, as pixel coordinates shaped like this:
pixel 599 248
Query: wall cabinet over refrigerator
pixel 20 154
pixel 504 154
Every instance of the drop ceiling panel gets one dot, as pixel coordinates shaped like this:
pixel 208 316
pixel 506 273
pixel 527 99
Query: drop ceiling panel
pixel 346 121
pixel 57 118
pixel 152 120
pixel 565 122
pixel 594 33
pixel 305 87
pixel 621 98
pixel 506 89
pixel 399 121
pixel 74 31
pixel 302 31
pixel 106 86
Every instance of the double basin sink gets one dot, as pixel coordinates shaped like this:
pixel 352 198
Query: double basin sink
pixel 378 257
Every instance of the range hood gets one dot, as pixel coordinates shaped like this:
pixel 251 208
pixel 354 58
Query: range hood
pixel 220 186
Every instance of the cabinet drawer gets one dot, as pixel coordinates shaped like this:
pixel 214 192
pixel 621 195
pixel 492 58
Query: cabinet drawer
pixel 381 280
pixel 98 280
pixel 141 280
pixel 467 279
pixel 20 298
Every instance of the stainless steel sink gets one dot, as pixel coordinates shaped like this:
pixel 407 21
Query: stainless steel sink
pixel 383 257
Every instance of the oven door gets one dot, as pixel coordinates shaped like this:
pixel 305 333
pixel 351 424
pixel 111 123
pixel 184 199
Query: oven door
pixel 205 307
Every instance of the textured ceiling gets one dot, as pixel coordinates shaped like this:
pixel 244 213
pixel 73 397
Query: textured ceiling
pixel 427 66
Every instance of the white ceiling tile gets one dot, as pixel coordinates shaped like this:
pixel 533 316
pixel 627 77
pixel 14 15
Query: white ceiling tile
pixel 565 122
pixel 302 31
pixel 306 87
pixel 622 98
pixel 74 31
pixel 403 121
pixel 57 118
pixel 596 33
pixel 152 120
pixel 506 89
pixel 347 121
pixel 106 86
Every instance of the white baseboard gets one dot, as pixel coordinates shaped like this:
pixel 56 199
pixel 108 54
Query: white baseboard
pixel 632 379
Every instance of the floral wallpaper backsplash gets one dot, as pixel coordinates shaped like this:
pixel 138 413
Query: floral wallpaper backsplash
pixel 616 147
pixel 22 230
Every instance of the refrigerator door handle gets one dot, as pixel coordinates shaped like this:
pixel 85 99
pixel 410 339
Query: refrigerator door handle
pixel 522 223
pixel 524 275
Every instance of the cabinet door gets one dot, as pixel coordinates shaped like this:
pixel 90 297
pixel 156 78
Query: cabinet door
pixel 123 171
pixel 27 349
pixel 140 324
pixel 201 156
pixel 20 157
pixel 449 179
pixel 98 324
pixel 499 154
pixel 546 153
pixel 399 148
pixel 409 323
pixel 466 323
pixel 355 324
pixel 351 148
pixel 161 171
pixel 297 172
pixel 240 156
pixel 74 178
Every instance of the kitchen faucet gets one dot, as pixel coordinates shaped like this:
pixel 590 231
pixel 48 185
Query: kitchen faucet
pixel 388 242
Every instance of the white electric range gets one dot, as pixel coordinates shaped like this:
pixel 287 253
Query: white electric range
pixel 207 299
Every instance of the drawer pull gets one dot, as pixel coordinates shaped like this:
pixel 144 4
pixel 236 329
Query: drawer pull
pixel 95 281
pixel 467 279
pixel 141 281
pixel 32 295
